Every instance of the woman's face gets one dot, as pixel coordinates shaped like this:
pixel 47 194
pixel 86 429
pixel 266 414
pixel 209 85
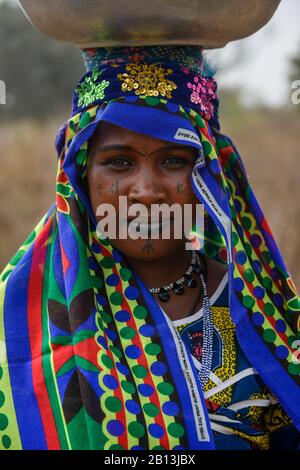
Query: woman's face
pixel 145 170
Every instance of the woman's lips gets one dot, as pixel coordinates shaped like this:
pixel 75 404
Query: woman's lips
pixel 149 226
pixel 149 220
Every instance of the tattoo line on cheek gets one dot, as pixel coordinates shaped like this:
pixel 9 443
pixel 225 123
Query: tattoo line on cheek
pixel 180 187
pixel 114 188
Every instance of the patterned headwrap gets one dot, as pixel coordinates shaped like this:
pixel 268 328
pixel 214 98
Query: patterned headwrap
pixel 87 358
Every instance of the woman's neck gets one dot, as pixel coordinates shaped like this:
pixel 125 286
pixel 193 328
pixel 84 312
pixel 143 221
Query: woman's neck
pixel 160 272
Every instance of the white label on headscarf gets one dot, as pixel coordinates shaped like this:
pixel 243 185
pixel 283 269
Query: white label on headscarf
pixel 215 207
pixel 187 135
pixel 197 404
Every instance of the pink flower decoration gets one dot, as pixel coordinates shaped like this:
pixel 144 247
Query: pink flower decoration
pixel 203 94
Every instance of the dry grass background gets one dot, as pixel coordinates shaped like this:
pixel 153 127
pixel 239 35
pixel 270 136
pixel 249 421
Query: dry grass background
pixel 268 142
pixel 27 180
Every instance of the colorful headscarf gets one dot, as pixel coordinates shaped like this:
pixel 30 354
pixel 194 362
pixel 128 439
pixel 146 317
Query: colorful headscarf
pixel 87 358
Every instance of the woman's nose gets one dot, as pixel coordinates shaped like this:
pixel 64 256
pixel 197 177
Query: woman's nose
pixel 146 189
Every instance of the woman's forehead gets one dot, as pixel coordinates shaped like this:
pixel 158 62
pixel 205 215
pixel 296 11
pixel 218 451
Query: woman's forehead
pixel 111 134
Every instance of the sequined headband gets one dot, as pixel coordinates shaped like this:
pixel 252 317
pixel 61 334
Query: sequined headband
pixel 148 72
pixel 190 57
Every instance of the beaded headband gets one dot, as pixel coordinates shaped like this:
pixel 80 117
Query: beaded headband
pixel 190 57
pixel 177 74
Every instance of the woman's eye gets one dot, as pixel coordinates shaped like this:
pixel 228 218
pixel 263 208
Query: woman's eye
pixel 119 162
pixel 175 161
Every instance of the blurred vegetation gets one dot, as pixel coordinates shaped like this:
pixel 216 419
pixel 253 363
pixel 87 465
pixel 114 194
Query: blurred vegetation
pixel 40 75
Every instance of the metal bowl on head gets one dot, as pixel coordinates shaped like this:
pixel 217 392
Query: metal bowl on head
pixel 111 23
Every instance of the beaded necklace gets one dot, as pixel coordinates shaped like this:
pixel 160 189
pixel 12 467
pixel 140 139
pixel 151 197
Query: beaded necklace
pixel 197 266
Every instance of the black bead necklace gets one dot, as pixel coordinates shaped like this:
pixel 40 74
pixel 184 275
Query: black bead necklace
pixel 197 266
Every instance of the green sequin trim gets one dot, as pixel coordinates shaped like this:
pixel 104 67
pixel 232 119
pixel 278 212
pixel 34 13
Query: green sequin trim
pixel 90 91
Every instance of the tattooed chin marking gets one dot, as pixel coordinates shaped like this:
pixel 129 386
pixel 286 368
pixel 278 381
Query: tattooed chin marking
pixel 148 247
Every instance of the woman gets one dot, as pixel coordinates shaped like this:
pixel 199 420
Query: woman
pixel 106 347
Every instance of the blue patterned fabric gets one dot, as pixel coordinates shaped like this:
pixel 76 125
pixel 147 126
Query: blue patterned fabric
pixel 90 360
